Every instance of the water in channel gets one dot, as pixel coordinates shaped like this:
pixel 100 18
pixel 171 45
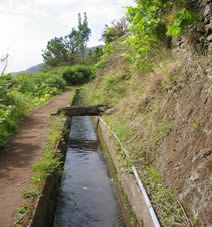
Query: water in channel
pixel 87 197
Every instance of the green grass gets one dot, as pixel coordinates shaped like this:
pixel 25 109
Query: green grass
pixel 50 164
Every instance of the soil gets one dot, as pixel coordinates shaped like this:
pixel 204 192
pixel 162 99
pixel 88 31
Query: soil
pixel 25 149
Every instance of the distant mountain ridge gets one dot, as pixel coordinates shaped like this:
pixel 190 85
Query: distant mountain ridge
pixel 35 68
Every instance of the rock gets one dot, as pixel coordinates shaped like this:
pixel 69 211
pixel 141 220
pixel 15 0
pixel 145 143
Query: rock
pixel 208 28
pixel 210 49
pixel 207 10
pixel 209 38
pixel 202 3
pixel 200 27
pixel 199 48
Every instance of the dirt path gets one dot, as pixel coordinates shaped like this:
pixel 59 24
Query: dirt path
pixel 25 150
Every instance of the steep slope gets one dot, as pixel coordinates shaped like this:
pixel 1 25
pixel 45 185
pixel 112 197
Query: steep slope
pixel 164 118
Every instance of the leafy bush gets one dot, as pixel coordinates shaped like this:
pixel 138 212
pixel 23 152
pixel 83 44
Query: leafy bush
pixel 78 74
pixel 20 95
pixel 149 26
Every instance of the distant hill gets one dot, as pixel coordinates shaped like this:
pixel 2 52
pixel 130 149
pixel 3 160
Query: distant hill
pixel 35 69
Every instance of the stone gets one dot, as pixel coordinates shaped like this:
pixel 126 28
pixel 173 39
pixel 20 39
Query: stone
pixel 207 10
pixel 209 38
pixel 200 27
pixel 210 49
pixel 202 3
pixel 208 28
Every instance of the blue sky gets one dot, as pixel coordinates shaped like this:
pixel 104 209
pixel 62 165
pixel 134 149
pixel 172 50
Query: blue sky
pixel 27 25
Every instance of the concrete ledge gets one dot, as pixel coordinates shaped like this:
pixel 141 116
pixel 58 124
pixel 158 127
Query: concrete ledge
pixel 127 181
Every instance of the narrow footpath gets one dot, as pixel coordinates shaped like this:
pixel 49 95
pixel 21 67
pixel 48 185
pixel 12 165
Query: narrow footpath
pixel 24 151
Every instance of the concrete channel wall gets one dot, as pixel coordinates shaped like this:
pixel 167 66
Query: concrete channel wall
pixel 127 180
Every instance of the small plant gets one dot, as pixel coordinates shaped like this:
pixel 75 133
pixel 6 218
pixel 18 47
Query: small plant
pixel 31 192
pixel 195 126
pixel 170 210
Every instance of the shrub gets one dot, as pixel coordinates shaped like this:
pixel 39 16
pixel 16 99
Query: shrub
pixel 21 94
pixel 78 74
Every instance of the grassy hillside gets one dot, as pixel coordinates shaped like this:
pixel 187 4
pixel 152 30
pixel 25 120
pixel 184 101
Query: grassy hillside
pixel 163 117
pixel 160 86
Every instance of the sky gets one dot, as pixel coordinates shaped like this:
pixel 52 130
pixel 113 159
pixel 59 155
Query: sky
pixel 27 25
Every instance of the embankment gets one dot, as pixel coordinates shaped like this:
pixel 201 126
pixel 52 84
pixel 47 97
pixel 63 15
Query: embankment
pixel 163 118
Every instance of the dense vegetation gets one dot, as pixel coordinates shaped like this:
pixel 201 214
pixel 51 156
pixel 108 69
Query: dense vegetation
pixel 77 74
pixel 20 95
pixel 156 21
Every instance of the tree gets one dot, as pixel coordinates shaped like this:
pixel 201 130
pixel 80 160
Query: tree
pixel 98 53
pixel 83 34
pixel 56 53
pixel 70 49
pixel 117 30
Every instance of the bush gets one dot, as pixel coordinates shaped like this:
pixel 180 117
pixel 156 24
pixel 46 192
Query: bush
pixel 21 94
pixel 78 74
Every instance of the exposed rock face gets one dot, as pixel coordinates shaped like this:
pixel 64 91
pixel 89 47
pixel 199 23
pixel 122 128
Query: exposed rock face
pixel 199 36
pixel 205 26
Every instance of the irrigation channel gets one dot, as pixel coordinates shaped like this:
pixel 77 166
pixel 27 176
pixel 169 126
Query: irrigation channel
pixel 87 196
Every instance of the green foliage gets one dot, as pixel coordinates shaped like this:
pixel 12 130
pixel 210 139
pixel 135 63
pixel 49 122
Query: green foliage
pixel 93 59
pixel 55 53
pixel 109 34
pixel 47 166
pixel 117 30
pixel 51 161
pixel 70 49
pixel 172 211
pixel 146 28
pixel 78 74
pixel 19 96
pixel 83 34
pixel 149 27
pixel 183 19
